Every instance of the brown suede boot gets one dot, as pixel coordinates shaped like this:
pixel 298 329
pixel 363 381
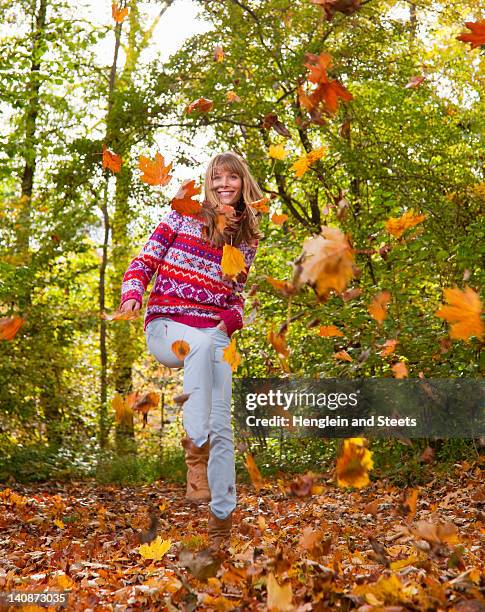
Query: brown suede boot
pixel 219 530
pixel 196 459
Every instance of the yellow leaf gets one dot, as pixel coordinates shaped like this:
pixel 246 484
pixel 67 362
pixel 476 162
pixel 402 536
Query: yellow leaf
pixel 232 96
pixel 378 306
pixel 123 412
pixel 59 524
pixel 279 597
pixel 397 226
pixel 231 355
pixel 354 463
pixel 233 261
pixel 156 549
pixel 277 151
pixel 118 13
pixel 463 313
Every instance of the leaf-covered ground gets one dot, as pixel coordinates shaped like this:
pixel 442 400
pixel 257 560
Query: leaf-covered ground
pixel 379 548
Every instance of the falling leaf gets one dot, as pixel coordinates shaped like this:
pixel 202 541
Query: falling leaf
pixel 387 590
pixel 347 7
pixel 388 347
pixel 304 162
pixel 231 355
pixel 203 564
pixel 253 471
pixel 407 504
pixel 343 356
pixel 326 263
pixel 301 486
pixel 111 160
pixel 378 306
pixel 232 96
pixel 400 370
pixel 354 464
pixel 271 121
pixel 350 294
pixel 398 226
pixel 277 151
pixel 183 202
pixel 327 93
pixel 148 535
pixel 415 81
pixel 280 598
pixel 155 172
pixel 118 14
pixel 218 53
pixel 232 261
pixel 279 219
pixel 278 341
pixel 284 287
pixel 476 37
pixel 463 312
pixel 329 331
pixel 260 205
pixel 441 533
pixel 9 326
pixel 180 349
pixel 123 412
pixel 203 105
pixel 156 549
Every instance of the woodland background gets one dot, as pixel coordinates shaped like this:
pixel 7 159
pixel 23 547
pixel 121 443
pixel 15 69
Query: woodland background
pixel 410 139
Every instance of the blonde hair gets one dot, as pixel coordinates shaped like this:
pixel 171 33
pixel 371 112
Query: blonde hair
pixel 247 226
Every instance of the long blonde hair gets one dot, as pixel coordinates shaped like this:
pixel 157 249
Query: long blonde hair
pixel 246 228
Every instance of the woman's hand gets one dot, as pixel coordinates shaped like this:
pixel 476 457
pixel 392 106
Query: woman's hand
pixel 130 305
pixel 221 325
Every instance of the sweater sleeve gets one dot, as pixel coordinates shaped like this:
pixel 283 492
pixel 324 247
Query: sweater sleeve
pixel 233 315
pixel 144 265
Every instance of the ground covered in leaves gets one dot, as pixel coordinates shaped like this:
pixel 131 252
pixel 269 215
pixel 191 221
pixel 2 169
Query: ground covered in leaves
pixel 296 545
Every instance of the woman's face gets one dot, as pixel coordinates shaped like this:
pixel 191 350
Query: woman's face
pixel 227 186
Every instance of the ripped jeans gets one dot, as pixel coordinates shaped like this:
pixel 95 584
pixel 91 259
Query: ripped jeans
pixel 207 411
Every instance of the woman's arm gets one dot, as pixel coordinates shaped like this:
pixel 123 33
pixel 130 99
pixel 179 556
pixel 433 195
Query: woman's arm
pixel 143 267
pixel 233 315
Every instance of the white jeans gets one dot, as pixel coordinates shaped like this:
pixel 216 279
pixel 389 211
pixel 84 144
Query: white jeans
pixel 207 411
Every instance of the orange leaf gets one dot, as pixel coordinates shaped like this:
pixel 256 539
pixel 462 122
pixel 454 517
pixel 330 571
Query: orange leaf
pixel 343 356
pixel 347 7
pixel 181 349
pixel 398 226
pixel 463 313
pixel 400 370
pixel 232 96
pixel 123 412
pixel 203 105
pixel 477 36
pixel 118 13
pixel 318 70
pixel 233 261
pixel 231 355
pixel 415 81
pixel 9 326
pixel 354 464
pixel 278 342
pixel 279 219
pixel 328 331
pixel 284 287
pixel 155 172
pixel 126 315
pixel 378 306
pixel 183 202
pixel 253 471
pixel 388 347
pixel 260 205
pixel 111 160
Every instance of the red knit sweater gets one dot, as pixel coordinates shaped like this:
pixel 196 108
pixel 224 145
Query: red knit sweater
pixel 189 287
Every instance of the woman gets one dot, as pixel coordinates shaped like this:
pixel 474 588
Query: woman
pixel 192 300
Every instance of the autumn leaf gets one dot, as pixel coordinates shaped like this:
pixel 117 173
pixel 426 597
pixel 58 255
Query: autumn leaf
pixel 440 533
pixel 279 219
pixel 278 341
pixel 400 370
pixel 397 226
pixel 121 315
pixel 329 331
pixel 123 412
pixel 111 160
pixel 280 598
pixel 232 96
pixel 271 121
pixel 327 93
pixel 354 464
pixel 203 105
pixel 388 348
pixel 343 356
pixel 304 162
pixel 183 202
pixel 476 37
pixel 387 590
pixel 284 287
pixel 260 205
pixel 463 312
pixel 414 81
pixel 9 326
pixel 326 263
pixel 118 14
pixel 347 7
pixel 318 69
pixel 218 53
pixel 180 349
pixel 253 471
pixel 277 151
pixel 156 549
pixel 232 261
pixel 59 524
pixel 231 355
pixel 155 172
pixel 378 306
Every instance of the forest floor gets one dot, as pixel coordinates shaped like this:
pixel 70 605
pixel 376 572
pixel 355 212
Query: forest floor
pixel 300 544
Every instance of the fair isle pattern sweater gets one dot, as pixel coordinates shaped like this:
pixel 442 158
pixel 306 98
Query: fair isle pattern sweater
pixel 189 287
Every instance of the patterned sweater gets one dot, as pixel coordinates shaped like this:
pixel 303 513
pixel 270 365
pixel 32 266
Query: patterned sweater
pixel 189 287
